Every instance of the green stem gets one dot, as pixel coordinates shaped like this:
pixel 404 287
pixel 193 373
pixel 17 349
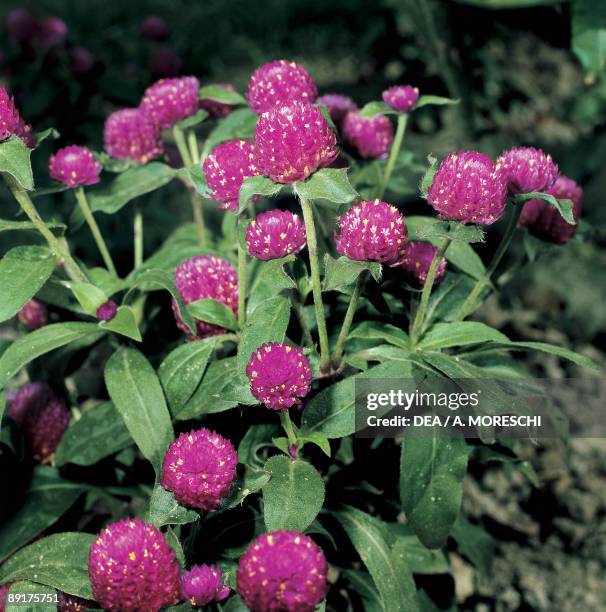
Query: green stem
pixel 312 247
pixel 347 321
pixel 61 250
pixel 242 264
pixel 288 427
pixel 193 147
pixel 94 228
pixel 393 154
pixel 182 146
pixel 417 325
pixel 138 236
pixel 196 204
pixel 469 303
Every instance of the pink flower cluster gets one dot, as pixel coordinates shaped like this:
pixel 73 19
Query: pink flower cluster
pixel 202 277
pixel 401 97
pixel 168 101
pixel 129 134
pixel 74 166
pixel 25 30
pixel 202 585
pixel 131 567
pixel 527 169
pixel 417 261
pixel 274 234
pixel 42 416
pixel 279 375
pixel 218 109
pixel 34 314
pixel 282 570
pixel 369 137
pixel 199 468
pixel 372 231
pixel 338 106
pixel 11 123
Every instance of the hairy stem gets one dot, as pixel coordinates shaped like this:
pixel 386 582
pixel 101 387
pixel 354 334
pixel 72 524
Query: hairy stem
pixel 347 321
pixel 468 305
pixel 312 247
pixel 393 154
pixel 242 270
pixel 138 236
pixel 94 228
pixel 196 203
pixel 287 427
pixel 417 325
pixel 182 146
pixel 193 147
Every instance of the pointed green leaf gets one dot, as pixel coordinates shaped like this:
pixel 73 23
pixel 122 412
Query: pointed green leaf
pixel 254 186
pixel 330 184
pixel 219 93
pixel 212 311
pixel 15 160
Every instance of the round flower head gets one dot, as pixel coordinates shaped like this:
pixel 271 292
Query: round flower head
pixel 372 230
pixel 52 32
pixel 338 106
pixel 199 468
pixel 401 97
pixel 527 169
pixel 469 188
pixel 107 311
pixel 202 277
pixel 279 375
pixel 168 101
pixel 417 260
pixel 280 83
pixel 154 28
pixel 74 166
pixel 129 134
pixel 292 142
pixel 544 221
pixel 226 168
pixel 370 137
pixel 34 314
pixel 274 234
pixel 282 571
pixel 218 109
pixel 42 416
pixel 202 585
pixel 132 568
pixel 82 61
pixel 20 26
pixel 11 123
pixel 71 603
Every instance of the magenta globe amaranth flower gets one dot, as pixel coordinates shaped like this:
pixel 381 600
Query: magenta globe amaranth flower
pixel 107 311
pixel 11 123
pixel 279 375
pixel 51 32
pixel 82 61
pixel 199 468
pixel 215 108
pixel 71 603
pixel 292 142
pixel 282 571
pixel 206 277
pixel 202 585
pixel 469 188
pixel 129 134
pixel 544 221
pixel 74 166
pixel 417 260
pixel 154 27
pixel 226 168
pixel 132 568
pixel 338 106
pixel 372 231
pixel 34 314
pixel 20 25
pixel 42 416
pixel 370 137
pixel 168 101
pixel 279 83
pixel 402 98
pixel 527 169
pixel 274 234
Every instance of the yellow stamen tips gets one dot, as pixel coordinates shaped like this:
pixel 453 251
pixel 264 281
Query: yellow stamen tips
pixel 190 439
pixel 282 586
pixel 254 374
pixel 132 556
pixel 297 540
pixel 268 349
pixel 270 540
pixel 288 349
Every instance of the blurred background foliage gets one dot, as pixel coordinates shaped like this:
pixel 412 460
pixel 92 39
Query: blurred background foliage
pixel 528 72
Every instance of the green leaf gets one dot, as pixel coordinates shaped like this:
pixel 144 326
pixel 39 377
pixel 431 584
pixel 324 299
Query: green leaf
pixel 164 509
pixel 124 323
pixel 42 341
pixel 373 330
pixel 270 280
pixel 23 271
pixel 87 295
pixel 99 432
pixel 48 498
pixel 137 394
pixel 238 124
pixel 198 179
pixel 474 543
pixel 543 347
pixel 182 370
pixel 372 109
pixel 212 311
pixel 564 207
pixel 422 560
pixel 330 184
pixel 431 475
pixel 294 495
pixel 256 185
pixel 317 438
pixel 589 35
pixel 388 567
pixel 434 101
pixel 343 272
pixel 29 597
pixel 219 93
pixel 19 226
pixel 193 120
pixel 460 333
pixel 267 323
pixel 427 179
pixel 49 133
pixel 15 160
pixel 59 561
pixel 129 185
